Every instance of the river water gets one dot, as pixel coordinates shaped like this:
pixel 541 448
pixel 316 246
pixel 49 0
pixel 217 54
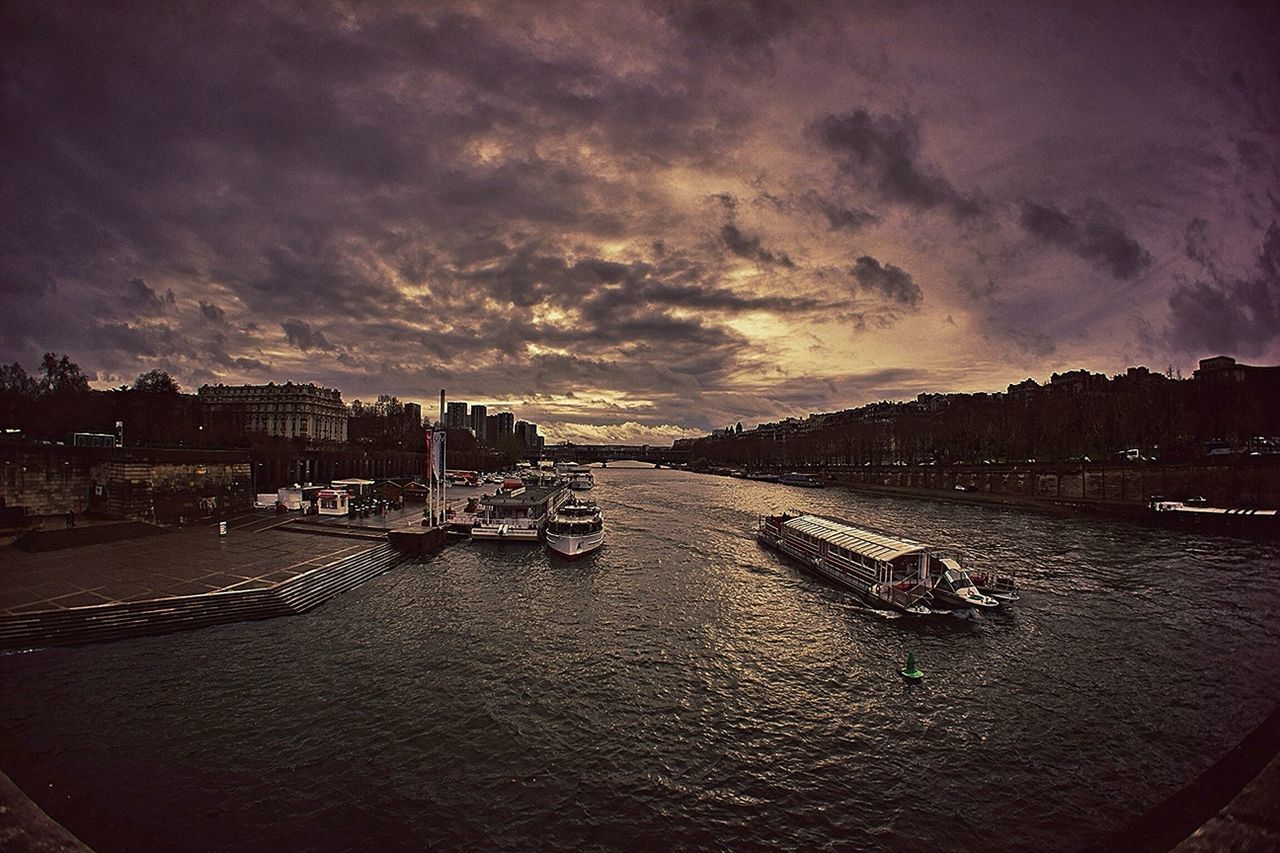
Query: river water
pixel 682 687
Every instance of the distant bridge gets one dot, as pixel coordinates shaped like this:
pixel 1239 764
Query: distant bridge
pixel 614 453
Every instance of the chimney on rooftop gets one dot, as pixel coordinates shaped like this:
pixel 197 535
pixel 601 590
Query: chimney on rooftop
pixel 441 421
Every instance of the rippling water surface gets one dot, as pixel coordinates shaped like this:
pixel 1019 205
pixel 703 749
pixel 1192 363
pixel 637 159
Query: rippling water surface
pixel 682 687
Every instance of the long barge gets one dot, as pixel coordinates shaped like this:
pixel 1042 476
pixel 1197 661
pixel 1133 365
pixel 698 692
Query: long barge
pixel 1195 512
pixel 886 572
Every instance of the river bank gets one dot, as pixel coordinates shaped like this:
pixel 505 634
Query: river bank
pixel 1117 490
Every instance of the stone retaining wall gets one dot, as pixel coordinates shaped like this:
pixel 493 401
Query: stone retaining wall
pixel 1253 482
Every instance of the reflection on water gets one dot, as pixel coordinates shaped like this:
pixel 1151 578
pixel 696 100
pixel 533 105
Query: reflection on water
pixel 683 686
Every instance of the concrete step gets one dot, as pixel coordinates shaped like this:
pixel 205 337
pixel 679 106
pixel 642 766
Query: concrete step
pixel 77 537
pixel 343 532
pixel 106 622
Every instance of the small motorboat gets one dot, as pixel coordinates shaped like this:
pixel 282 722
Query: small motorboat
pixel 1003 588
pixel 955 589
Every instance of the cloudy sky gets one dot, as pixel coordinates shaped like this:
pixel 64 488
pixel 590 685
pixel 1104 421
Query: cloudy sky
pixel 637 221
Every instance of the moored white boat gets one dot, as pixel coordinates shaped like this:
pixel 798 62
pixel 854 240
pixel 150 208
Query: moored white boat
pixel 575 528
pixel 795 478
pixel 517 513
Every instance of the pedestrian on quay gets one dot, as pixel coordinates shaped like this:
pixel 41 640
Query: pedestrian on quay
pixel 71 518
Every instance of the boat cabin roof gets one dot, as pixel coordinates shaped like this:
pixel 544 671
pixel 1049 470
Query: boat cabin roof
pixel 865 542
pixel 572 508
pixel 531 496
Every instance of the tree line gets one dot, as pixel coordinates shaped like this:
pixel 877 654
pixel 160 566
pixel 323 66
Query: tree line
pixel 1153 418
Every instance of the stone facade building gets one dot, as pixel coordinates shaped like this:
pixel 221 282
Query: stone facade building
pixel 160 485
pixel 289 410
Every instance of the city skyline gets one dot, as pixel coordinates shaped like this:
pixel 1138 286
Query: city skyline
pixel 638 223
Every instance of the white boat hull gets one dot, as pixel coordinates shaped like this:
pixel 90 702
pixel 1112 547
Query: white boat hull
pixel 504 533
pixel 571 546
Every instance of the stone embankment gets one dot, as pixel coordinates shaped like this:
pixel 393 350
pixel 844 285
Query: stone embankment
pixel 1112 488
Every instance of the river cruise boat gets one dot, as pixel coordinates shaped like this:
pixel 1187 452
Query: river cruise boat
pixel 575 529
pixel 795 478
pixel 517 513
pixel 955 589
pixel 579 478
pixel 888 573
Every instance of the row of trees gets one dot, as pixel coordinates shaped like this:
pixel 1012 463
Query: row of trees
pixel 1159 418
pixel 58 401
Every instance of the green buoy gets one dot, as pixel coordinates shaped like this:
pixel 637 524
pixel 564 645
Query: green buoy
pixel 909 672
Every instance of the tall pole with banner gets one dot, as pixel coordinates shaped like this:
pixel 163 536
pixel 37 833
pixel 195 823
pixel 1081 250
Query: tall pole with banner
pixel 437 485
pixel 437 477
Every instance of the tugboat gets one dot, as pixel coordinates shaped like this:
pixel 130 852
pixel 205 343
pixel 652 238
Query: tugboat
pixel 576 528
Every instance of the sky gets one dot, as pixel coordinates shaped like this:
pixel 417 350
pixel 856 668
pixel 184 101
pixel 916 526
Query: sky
pixel 634 222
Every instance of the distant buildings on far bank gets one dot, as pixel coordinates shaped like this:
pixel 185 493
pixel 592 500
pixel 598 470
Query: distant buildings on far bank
pixel 313 413
pixel 491 429
pixel 1138 413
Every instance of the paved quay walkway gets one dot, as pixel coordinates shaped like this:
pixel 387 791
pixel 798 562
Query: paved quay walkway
pixel 26 828
pixel 1251 821
pixel 191 561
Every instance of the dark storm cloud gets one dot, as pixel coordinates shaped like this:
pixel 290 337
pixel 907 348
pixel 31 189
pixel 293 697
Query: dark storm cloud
pixel 839 215
pixel 1228 314
pixel 748 247
pixel 223 359
pixel 845 218
pixel 882 152
pixel 737 33
pixel 136 339
pixel 887 280
pixel 143 298
pixel 1094 233
pixel 302 336
pixel 633 113
pixel 619 301
pixel 212 312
